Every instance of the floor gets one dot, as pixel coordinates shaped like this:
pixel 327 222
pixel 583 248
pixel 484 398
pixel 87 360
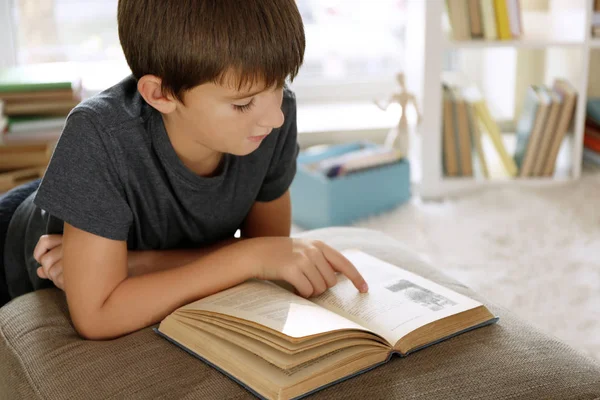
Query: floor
pixel 535 251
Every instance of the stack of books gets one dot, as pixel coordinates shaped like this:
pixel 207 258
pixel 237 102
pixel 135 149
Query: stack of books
pixel 596 19
pixel 466 118
pixel 34 104
pixel 591 136
pixel 546 116
pixel 485 19
pixel 36 100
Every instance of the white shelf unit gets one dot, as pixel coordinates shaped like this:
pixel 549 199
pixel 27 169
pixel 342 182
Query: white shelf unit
pixel 428 43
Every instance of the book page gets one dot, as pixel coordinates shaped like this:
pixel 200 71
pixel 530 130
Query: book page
pixel 274 307
pixel 398 301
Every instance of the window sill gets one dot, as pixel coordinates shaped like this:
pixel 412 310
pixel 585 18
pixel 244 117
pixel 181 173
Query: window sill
pixel 326 123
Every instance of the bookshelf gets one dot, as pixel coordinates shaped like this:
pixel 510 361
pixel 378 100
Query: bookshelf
pixel 563 25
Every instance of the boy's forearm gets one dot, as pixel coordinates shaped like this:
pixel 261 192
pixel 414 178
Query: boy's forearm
pixel 144 262
pixel 140 301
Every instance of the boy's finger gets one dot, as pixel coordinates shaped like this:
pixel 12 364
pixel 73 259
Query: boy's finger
pixel 343 265
pixel 326 270
pixel 51 258
pixel 46 242
pixel 59 282
pixel 41 273
pixel 300 282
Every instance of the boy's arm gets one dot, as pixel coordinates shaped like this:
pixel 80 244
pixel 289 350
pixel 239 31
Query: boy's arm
pixel 140 262
pixel 105 302
pixel 273 218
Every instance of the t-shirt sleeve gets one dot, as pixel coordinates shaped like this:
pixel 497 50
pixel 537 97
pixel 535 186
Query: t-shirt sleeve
pixel 82 185
pixel 282 169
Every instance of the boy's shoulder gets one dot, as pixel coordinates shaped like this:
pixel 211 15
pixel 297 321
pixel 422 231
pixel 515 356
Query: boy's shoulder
pixel 114 107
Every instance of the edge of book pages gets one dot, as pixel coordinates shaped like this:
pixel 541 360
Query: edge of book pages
pixel 392 353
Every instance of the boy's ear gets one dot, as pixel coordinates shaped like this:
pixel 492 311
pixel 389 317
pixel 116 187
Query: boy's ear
pixel 150 87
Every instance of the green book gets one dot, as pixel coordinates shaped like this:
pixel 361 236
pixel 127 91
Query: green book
pixel 31 78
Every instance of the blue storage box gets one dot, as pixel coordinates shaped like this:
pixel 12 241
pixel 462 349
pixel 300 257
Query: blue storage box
pixel 319 201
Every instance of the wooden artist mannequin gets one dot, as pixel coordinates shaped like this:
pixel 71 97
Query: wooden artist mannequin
pixel 398 137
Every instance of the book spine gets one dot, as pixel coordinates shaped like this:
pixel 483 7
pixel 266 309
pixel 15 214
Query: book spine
pixel 502 20
pixel 34 87
pixel 489 20
pixel 495 135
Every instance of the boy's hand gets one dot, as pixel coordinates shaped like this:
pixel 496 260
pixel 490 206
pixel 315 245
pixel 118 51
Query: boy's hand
pixel 48 252
pixel 309 265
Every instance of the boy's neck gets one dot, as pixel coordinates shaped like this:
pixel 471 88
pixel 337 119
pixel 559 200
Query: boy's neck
pixel 198 158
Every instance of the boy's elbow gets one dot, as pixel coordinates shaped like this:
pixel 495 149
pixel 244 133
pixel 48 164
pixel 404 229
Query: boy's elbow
pixel 90 327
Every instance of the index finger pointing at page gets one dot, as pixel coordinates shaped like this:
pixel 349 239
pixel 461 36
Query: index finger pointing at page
pixel 343 265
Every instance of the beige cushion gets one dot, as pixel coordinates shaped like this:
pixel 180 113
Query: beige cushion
pixel 41 356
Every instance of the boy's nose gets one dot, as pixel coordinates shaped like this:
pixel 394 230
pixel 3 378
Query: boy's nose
pixel 273 117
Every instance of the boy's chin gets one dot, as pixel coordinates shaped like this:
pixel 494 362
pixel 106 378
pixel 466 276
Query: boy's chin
pixel 242 151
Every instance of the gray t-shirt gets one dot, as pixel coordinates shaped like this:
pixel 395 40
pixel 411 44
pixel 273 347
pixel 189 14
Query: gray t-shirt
pixel 114 173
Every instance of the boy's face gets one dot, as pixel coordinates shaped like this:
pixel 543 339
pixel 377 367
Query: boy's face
pixel 226 120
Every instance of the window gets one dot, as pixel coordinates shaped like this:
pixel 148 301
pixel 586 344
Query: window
pixel 354 47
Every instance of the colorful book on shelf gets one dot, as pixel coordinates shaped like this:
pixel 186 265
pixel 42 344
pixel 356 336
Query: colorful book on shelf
pixel 514 18
pixel 458 14
pixel 502 20
pixel 449 141
pixel 488 16
pixel 279 345
pixel 475 20
pixel 461 118
pixel 568 94
pixel 35 123
pixel 14 157
pixel 526 124
pixel 592 109
pixel 12 179
pixel 591 142
pixel 532 138
pixel 591 156
pixel 491 128
pixel 49 107
pixel 548 133
pixel 592 129
pixel 480 164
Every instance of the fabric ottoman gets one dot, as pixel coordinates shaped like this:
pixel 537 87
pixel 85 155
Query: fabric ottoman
pixel 41 356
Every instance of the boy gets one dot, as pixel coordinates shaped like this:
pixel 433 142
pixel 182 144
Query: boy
pixel 151 178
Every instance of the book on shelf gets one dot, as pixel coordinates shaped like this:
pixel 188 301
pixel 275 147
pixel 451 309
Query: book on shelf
pixel 596 19
pixel 39 90
pixel 545 118
pixel 466 123
pixel 281 346
pixel 12 179
pixel 530 126
pixel 485 19
pixel 591 156
pixel 591 135
pixel 21 156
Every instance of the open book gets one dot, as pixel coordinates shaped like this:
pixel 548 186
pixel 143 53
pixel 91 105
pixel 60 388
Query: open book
pixel 282 346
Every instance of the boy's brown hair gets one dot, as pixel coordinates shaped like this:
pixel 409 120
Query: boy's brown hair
pixel 190 42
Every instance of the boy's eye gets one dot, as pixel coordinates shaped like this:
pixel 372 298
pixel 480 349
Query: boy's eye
pixel 245 107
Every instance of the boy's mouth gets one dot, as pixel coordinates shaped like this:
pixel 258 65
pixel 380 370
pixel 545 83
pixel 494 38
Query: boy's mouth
pixel 257 138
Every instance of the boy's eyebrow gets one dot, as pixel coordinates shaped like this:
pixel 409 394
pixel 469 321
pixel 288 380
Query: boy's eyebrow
pixel 246 95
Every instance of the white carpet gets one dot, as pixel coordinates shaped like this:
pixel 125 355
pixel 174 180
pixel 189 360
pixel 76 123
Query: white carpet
pixel 535 251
